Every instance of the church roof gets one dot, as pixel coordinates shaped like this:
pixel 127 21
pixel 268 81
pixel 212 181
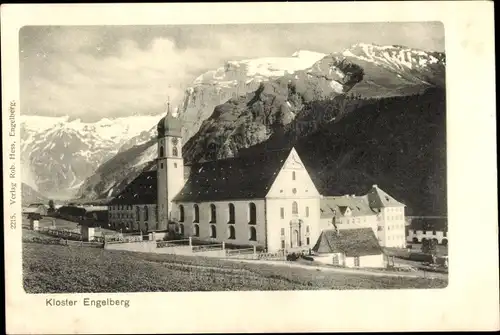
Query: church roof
pixel 142 190
pixel 244 177
pixel 351 242
pixel 337 206
pixel 169 125
pixel 378 199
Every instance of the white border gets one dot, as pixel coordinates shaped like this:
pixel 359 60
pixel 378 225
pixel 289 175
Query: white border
pixel 470 302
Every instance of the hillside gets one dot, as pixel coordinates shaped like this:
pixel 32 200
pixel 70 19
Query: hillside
pixel 29 195
pixel 398 143
pixel 67 269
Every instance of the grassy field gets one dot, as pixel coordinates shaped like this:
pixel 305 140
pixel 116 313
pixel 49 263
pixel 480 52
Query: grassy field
pixel 67 269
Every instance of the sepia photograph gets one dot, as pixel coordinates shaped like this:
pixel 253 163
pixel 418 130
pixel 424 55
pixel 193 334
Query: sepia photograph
pixel 229 160
pixel 314 158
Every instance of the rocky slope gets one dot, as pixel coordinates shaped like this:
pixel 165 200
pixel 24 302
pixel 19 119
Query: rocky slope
pixel 398 143
pixel 29 196
pixel 292 106
pixel 58 154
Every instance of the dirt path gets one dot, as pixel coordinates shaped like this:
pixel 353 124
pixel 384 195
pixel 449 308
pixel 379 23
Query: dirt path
pixel 344 270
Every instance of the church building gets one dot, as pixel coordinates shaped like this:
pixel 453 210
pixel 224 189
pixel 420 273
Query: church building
pixel 268 201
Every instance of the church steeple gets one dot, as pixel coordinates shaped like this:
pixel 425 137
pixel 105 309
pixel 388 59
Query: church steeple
pixel 170 165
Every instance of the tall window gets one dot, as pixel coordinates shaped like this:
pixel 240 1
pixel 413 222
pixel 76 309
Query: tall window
pixel 253 234
pixel 181 229
pixel 307 211
pixel 282 231
pixel 137 213
pixel 231 213
pixel 196 230
pixel 232 233
pixel 175 152
pixel 356 261
pixel 196 213
pixel 253 213
pixel 213 231
pixel 162 152
pixel 335 260
pixel 146 214
pixel 213 213
pixel 181 213
pixel 295 208
pixel 293 175
pixel 307 229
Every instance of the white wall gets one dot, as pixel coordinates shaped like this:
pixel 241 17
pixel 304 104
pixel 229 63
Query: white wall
pixel 282 193
pixel 393 233
pixel 170 178
pixel 440 235
pixel 369 261
pixel 242 228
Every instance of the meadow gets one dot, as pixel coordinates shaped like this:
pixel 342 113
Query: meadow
pixel 73 269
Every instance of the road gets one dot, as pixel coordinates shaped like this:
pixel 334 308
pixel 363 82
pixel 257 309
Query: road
pixel 377 273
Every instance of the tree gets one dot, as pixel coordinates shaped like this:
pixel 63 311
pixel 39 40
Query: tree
pixel 430 247
pixel 51 209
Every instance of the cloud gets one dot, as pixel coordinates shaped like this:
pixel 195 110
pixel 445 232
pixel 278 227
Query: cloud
pixel 96 72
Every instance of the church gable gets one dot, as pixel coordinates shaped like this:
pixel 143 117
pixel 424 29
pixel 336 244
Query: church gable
pixel 292 180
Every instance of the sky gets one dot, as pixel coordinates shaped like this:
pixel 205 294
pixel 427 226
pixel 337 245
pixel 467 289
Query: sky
pixel 92 72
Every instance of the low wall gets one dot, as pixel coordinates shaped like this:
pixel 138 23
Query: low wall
pixel 143 246
pixel 178 250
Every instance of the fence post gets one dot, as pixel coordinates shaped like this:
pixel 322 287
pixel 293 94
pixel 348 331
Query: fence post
pixel 223 246
pixel 254 250
pixel 190 241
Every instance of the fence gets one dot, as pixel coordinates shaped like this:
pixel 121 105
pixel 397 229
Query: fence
pixel 208 247
pixel 64 233
pixel 173 243
pixel 122 238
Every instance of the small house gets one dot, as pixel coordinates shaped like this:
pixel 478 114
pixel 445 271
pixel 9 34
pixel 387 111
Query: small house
pixel 355 247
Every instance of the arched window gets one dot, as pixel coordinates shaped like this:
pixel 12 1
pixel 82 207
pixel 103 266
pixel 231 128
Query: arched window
pixel 213 213
pixel 175 152
pixel 253 234
pixel 181 229
pixel 307 211
pixel 162 152
pixel 146 213
pixel 213 231
pixel 415 240
pixel 196 230
pixel 137 213
pixel 444 241
pixel 232 233
pixel 181 213
pixel 252 210
pixel 295 208
pixel 196 213
pixel 231 213
pixel 293 175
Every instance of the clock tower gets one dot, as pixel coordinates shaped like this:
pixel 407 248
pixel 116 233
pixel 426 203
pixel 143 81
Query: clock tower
pixel 170 165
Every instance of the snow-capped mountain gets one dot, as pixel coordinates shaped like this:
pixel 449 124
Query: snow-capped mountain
pixel 58 154
pixel 220 95
pixel 234 79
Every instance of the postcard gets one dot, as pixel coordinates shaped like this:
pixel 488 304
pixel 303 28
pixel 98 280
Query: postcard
pixel 249 167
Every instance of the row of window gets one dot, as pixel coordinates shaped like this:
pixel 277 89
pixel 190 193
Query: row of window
pixel 395 217
pixel 231 232
pixel 355 220
pixel 395 226
pixel 395 209
pixel 120 207
pixel 434 232
pixel 295 210
pixel 252 213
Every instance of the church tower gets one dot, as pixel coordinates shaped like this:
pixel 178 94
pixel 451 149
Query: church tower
pixel 170 165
